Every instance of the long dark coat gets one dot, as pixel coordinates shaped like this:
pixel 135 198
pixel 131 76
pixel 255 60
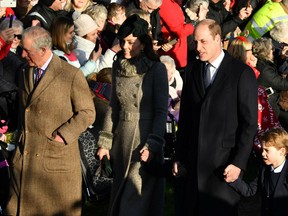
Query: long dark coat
pixel 139 111
pixel 216 128
pixel 47 174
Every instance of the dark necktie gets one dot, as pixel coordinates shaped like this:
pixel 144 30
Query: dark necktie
pixel 207 75
pixel 38 75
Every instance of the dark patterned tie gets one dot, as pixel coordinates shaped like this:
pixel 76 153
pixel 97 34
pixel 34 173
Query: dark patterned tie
pixel 38 75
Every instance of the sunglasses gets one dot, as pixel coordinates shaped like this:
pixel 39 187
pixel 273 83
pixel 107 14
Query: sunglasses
pixel 19 36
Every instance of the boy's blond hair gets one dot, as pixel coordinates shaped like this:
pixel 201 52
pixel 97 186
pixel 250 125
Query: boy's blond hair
pixel 276 137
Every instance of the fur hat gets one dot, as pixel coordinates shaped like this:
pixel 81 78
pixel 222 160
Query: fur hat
pixel 83 24
pixel 48 3
pixel 133 25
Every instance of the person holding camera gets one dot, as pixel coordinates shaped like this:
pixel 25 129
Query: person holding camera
pixel 280 43
pixel 269 74
pixel 86 43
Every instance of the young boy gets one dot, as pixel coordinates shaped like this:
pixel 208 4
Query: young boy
pixel 272 180
pixel 116 16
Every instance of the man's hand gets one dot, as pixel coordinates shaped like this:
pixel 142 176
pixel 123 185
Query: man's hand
pixel 231 173
pixel 7 35
pixel 166 47
pixel 58 138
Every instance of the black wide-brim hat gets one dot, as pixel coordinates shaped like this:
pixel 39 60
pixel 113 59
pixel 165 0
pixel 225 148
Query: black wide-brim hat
pixel 133 25
pixel 48 3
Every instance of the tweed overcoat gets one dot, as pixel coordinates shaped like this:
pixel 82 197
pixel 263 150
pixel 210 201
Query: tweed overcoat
pixel 46 174
pixel 216 128
pixel 137 117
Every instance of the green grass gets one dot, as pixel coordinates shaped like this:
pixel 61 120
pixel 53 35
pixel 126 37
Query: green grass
pixel 100 208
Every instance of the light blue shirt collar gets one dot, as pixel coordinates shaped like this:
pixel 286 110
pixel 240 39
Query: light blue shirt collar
pixel 44 67
pixel 216 63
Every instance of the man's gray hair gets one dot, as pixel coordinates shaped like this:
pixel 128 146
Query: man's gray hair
pixel 41 38
pixel 157 2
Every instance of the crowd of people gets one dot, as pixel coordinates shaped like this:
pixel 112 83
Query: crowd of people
pixel 122 69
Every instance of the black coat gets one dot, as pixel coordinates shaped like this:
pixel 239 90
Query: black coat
pixel 42 13
pixel 278 202
pixel 227 22
pixel 10 68
pixel 216 128
pixel 269 77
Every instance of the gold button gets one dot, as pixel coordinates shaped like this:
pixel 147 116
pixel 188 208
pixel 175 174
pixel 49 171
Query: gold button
pixel 37 155
pixel 27 110
pixel 25 152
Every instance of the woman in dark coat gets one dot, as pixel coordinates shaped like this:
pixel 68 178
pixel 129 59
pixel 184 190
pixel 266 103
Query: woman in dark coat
pixel 135 122
pixel 269 75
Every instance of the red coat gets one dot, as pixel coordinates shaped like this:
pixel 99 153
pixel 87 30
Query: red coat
pixel 173 25
pixel 4 48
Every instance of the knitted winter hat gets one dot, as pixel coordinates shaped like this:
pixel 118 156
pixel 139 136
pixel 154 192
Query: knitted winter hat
pixel 48 3
pixel 83 24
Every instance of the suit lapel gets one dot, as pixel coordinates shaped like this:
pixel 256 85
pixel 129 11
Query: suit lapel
pixel 29 75
pixel 220 76
pixel 265 180
pixel 282 179
pixel 198 77
pixel 50 74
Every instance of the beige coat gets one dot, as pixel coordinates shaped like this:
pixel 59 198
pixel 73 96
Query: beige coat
pixel 51 175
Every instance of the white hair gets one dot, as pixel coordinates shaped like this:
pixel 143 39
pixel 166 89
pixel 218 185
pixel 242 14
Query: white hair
pixel 279 32
pixel 170 61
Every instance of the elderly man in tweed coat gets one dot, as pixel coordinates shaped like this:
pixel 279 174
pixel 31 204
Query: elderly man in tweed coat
pixel 55 107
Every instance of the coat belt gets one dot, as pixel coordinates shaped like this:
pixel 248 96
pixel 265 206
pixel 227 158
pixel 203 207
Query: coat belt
pixel 128 116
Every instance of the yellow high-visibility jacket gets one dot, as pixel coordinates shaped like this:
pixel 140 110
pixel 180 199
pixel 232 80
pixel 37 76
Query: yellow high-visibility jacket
pixel 265 19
